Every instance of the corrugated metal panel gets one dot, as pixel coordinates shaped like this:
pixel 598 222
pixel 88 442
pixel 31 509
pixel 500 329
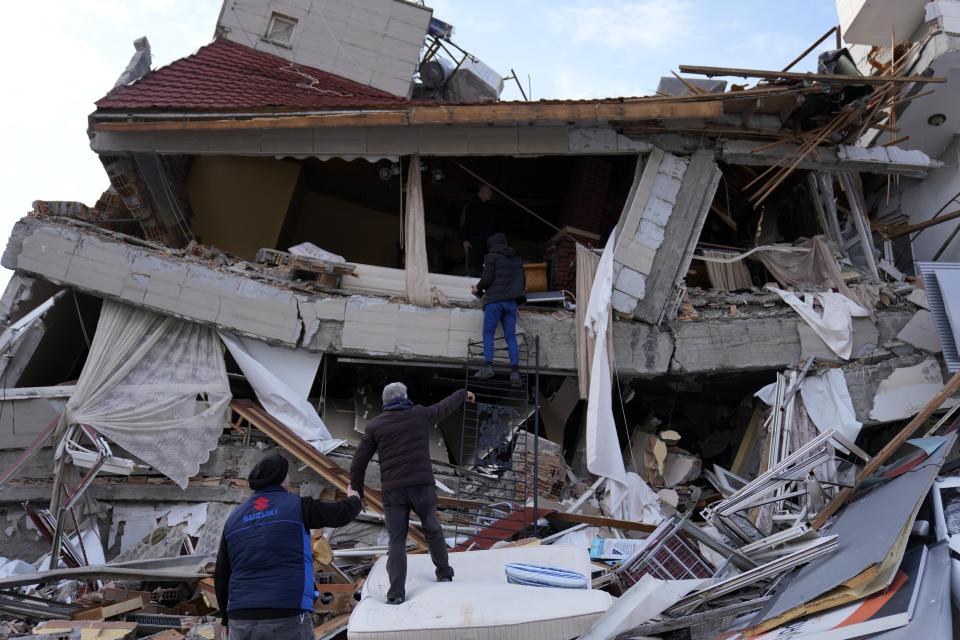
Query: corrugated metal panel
pixel 941 315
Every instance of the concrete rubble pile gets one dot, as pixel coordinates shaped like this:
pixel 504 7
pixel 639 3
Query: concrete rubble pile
pixel 739 349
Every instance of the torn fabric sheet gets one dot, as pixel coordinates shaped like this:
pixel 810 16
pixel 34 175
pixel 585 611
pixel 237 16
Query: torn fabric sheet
pixel 834 324
pixel 828 403
pixel 297 368
pixel 633 500
pixel 603 448
pixel 728 276
pixel 278 399
pixel 416 271
pixel 816 268
pixel 140 384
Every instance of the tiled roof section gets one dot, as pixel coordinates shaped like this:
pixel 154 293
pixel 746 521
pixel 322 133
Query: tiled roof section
pixel 228 76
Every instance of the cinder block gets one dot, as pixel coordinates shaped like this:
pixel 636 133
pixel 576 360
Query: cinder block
pixel 632 282
pixel 622 302
pixel 650 235
pixel 666 187
pixel 657 211
pixel 673 166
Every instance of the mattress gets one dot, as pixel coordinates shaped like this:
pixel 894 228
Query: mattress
pixel 479 604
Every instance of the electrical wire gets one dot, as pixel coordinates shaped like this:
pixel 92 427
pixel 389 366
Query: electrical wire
pixel 623 411
pixel 83 328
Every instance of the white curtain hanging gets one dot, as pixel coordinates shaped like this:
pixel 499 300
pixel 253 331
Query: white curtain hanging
pixel 156 386
pixel 415 240
pixel 603 446
pixel 276 395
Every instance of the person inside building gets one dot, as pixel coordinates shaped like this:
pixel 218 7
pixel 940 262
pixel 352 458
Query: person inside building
pixel 264 574
pixel 503 286
pixel 477 223
pixel 401 437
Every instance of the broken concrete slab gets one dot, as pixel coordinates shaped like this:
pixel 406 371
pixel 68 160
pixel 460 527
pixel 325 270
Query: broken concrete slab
pixel 921 332
pixel 906 391
pixel 919 298
pixel 866 338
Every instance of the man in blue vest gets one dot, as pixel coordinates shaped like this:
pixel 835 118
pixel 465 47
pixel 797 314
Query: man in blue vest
pixel 264 575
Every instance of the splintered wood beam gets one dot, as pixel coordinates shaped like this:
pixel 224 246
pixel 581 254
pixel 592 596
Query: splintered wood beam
pixel 479 114
pixel 711 72
pixel 807 51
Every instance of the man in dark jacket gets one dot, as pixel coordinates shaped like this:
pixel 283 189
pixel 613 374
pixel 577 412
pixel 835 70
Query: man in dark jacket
pixel 264 575
pixel 477 223
pixel 401 436
pixel 503 285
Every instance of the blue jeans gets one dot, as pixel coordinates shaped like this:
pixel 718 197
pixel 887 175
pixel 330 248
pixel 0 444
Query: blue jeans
pixel 505 314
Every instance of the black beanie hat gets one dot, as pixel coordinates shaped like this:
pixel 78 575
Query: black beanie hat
pixel 269 472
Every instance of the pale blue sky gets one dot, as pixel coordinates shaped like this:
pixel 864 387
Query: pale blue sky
pixel 72 52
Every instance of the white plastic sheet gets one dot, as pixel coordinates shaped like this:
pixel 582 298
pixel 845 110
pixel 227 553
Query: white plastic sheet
pixel 828 403
pixel 140 384
pixel 603 446
pixel 634 500
pixel 647 598
pixel 834 324
pixel 277 398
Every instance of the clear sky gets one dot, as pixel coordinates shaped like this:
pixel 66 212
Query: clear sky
pixel 61 56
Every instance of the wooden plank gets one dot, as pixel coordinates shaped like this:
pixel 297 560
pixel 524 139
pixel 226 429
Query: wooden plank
pixel 502 529
pixel 877 461
pixel 599 521
pixel 328 627
pixel 793 75
pixel 329 470
pixel 109 610
pixel 486 114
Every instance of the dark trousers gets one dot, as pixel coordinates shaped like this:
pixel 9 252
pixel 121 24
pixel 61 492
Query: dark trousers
pixel 397 503
pixel 505 314
pixel 299 627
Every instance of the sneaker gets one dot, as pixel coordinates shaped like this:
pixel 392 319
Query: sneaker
pixel 395 600
pixel 484 373
pixel 515 378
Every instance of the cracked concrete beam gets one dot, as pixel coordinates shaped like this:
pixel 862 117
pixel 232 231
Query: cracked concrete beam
pixel 108 266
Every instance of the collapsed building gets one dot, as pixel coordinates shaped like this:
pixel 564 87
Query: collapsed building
pixel 281 237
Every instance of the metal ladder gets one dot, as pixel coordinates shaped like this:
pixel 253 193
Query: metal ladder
pixel 499 448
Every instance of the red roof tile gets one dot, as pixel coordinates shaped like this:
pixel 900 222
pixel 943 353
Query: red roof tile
pixel 228 76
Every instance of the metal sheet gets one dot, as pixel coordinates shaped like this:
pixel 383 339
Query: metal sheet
pixel 941 314
pixel 889 510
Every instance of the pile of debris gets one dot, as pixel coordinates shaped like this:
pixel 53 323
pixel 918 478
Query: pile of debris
pixel 732 419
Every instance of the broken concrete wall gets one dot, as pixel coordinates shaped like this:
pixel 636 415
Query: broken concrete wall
pixel 659 228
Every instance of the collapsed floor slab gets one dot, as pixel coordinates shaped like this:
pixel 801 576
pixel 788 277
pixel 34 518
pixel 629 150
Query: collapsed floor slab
pixel 118 267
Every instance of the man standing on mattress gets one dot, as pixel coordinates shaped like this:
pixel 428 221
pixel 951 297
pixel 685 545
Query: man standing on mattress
pixel 401 437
